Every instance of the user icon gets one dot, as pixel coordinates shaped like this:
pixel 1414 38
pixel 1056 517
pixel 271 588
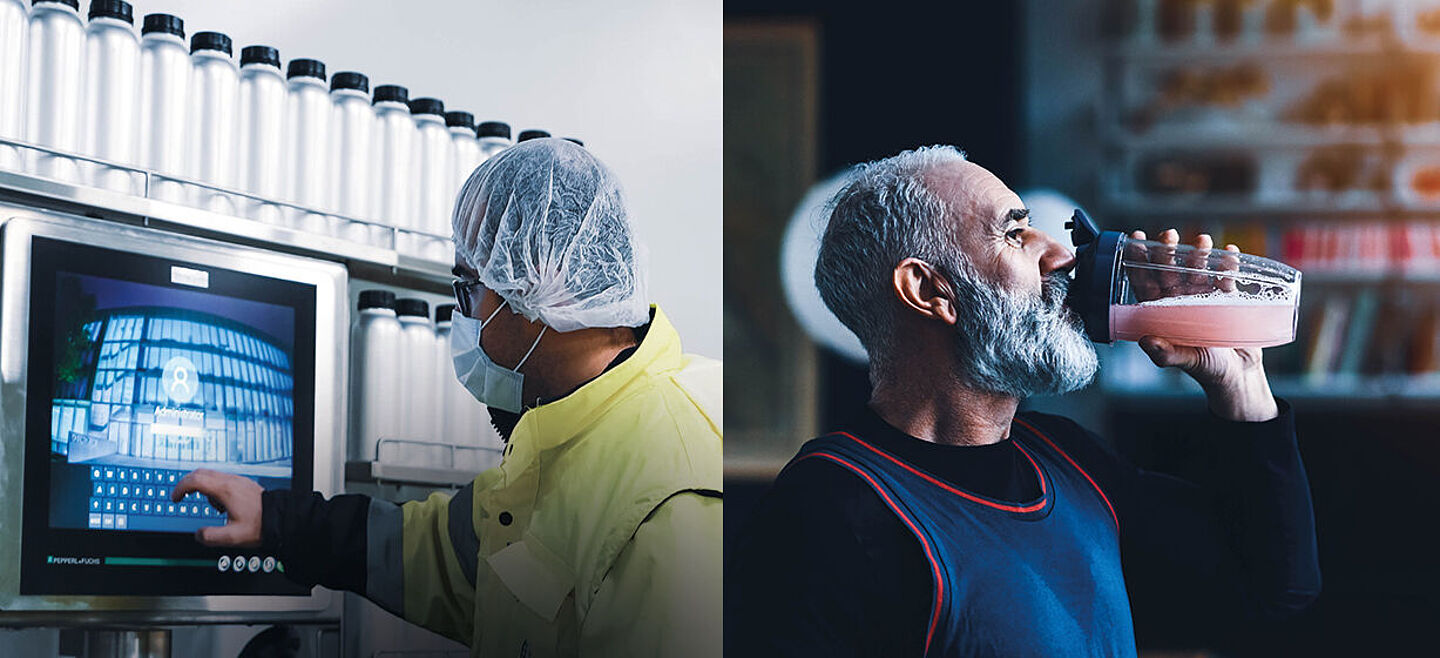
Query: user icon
pixel 179 379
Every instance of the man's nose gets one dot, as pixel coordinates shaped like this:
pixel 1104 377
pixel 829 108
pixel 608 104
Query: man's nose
pixel 1057 257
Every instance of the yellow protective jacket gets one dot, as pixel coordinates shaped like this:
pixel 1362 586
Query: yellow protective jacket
pixel 599 534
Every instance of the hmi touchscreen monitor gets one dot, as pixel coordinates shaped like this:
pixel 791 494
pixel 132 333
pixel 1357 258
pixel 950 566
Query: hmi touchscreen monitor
pixel 143 369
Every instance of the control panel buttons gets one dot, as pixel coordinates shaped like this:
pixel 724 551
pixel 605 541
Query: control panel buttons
pixel 268 564
pixel 224 563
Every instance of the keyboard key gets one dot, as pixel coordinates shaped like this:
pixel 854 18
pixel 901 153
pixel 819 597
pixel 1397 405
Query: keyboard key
pixel 109 474
pixel 107 521
pixel 94 504
pixel 120 475
pixel 149 492
pixel 149 477
pixel 135 507
pixel 124 491
pixel 95 520
pixel 119 521
pixel 134 475
pixel 112 490
pixel 99 489
pixel 96 472
pixel 144 508
pixel 109 506
pixel 170 509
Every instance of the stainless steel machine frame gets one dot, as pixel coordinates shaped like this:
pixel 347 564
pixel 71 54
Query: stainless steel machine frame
pixel 18 224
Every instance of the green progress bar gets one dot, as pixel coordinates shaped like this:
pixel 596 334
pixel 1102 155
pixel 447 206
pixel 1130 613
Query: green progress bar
pixel 157 562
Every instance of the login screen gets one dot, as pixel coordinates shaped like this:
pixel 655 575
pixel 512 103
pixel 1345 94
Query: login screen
pixel 152 382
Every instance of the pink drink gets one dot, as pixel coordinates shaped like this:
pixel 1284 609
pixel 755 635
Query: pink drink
pixel 1207 321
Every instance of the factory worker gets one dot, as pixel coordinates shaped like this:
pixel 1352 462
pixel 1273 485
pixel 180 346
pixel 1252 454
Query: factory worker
pixel 599 534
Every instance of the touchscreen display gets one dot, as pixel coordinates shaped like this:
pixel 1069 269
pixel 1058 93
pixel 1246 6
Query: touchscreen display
pixel 153 382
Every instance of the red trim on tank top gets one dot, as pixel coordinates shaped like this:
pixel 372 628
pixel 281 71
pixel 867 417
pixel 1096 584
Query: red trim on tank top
pixel 925 543
pixel 1098 490
pixel 1039 473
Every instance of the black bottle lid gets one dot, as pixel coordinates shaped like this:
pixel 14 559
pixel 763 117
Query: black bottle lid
pixel 377 299
pixel 532 134
pixel 427 106
pixel 164 23
pixel 443 311
pixel 73 4
pixel 392 94
pixel 305 68
pixel 112 9
pixel 210 41
pixel 493 129
pixel 460 120
pixel 260 55
pixel 350 80
pixel 575 141
pixel 412 306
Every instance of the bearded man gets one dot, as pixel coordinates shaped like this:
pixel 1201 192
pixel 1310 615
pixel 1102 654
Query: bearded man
pixel 943 523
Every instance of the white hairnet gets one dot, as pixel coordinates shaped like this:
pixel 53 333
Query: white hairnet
pixel 545 225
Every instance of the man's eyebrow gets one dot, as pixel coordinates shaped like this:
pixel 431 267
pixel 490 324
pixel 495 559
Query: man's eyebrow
pixel 1011 215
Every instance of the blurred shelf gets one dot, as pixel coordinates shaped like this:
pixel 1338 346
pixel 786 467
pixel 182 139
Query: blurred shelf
pixel 1367 203
pixel 1419 390
pixel 1341 46
pixel 1249 135
pixel 383 473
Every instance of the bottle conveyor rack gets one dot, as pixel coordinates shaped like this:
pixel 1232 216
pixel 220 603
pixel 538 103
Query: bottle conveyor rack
pixel 368 261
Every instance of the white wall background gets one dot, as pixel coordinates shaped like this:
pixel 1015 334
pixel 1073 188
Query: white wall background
pixel 638 80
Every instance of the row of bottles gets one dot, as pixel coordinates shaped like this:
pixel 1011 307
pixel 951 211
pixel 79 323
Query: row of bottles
pixel 403 386
pixel 328 145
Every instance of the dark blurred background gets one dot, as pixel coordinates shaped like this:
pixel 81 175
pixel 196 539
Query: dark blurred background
pixel 1303 130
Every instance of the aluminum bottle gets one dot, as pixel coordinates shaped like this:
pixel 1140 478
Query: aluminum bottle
pixel 353 128
pixel 262 130
pixel 375 382
pixel 465 147
pixel 307 139
pixel 417 381
pixel 214 93
pixel 435 162
pixel 112 92
pixel 527 135
pixel 494 138
pixel 14 42
pixel 55 85
pixel 393 173
pixel 164 102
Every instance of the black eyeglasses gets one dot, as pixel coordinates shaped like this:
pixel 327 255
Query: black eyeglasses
pixel 462 295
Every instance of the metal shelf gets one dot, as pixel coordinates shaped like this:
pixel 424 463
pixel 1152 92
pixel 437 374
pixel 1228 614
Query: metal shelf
pixel 1226 51
pixel 36 191
pixel 382 472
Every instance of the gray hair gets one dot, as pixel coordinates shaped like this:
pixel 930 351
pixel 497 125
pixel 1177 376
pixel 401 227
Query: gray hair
pixel 885 214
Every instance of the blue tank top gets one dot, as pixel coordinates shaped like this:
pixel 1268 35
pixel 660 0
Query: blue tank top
pixel 1039 578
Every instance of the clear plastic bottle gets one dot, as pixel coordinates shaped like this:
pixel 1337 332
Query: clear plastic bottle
pixel 435 162
pixel 494 138
pixel 164 102
pixel 394 173
pixel 214 93
pixel 307 128
pixel 466 147
pixel 417 381
pixel 112 93
pixel 353 130
pixel 14 42
pixel 55 85
pixel 374 374
pixel 262 130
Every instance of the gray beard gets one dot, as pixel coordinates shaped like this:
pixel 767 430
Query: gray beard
pixel 1020 345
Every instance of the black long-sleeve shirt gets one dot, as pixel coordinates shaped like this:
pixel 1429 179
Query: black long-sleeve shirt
pixel 1234 541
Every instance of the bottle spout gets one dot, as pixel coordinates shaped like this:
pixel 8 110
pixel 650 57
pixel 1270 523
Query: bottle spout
pixel 1083 230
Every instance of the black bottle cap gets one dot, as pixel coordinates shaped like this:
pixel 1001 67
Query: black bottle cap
pixel 443 311
pixel 412 306
pixel 493 129
pixel 111 9
pixel 164 23
pixel 350 80
pixel 427 106
pixel 210 41
pixel 391 94
pixel 73 4
pixel 305 68
pixel 377 299
pixel 260 55
pixel 532 134
pixel 575 141
pixel 460 120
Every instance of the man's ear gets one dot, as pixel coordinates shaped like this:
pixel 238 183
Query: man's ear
pixel 917 284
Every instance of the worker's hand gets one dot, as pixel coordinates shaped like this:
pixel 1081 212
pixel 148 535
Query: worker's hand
pixel 1233 378
pixel 236 496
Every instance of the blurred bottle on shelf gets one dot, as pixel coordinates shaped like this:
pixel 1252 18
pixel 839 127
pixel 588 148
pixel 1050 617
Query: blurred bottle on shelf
pixel 307 138
pixel 55 86
pixel 394 168
pixel 262 130
pixel 164 103
pixel 215 92
pixel 435 169
pixel 112 93
pixel 353 130
pixel 494 138
pixel 375 374
pixel 14 42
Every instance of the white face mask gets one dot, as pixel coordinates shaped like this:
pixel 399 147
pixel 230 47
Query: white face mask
pixel 491 384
